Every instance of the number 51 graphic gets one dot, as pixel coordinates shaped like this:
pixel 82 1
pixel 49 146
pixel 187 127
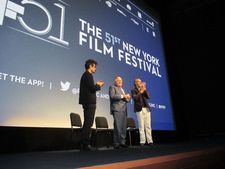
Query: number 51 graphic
pixel 12 10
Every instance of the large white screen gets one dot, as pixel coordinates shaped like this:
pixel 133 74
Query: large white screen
pixel 44 45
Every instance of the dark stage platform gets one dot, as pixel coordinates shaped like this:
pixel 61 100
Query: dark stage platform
pixel 200 153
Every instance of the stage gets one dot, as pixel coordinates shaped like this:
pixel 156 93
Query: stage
pixel 199 153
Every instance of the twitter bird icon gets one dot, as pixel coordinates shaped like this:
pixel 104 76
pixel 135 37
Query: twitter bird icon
pixel 65 86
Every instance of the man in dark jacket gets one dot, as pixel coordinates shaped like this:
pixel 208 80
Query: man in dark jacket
pixel 141 107
pixel 87 98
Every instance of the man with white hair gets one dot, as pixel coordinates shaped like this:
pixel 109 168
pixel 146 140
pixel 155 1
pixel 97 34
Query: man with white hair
pixel 118 108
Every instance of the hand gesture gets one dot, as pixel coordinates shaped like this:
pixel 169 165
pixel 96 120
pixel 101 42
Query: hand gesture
pixel 127 97
pixel 100 83
pixel 142 88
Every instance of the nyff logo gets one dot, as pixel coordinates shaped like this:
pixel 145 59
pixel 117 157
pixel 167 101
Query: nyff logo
pixel 17 11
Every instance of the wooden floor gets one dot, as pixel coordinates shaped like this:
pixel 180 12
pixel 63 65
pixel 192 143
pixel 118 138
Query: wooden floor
pixel 210 159
pixel 204 153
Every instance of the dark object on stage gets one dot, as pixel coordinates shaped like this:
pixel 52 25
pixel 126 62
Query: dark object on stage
pixel 102 129
pixel 130 127
pixel 75 120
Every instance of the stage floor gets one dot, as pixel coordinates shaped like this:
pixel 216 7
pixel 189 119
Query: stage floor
pixel 71 159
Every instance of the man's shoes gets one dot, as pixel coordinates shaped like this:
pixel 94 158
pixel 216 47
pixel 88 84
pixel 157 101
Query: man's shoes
pixel 150 144
pixel 116 147
pixel 85 147
pixel 119 146
pixel 123 145
pixel 147 144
